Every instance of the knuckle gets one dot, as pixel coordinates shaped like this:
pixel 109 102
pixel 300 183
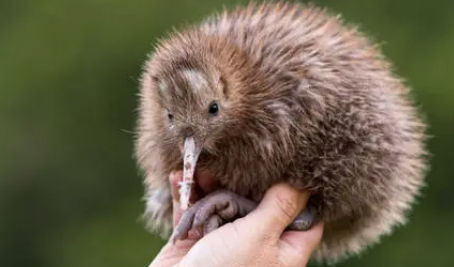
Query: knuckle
pixel 286 205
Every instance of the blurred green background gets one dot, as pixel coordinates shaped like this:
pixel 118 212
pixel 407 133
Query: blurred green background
pixel 70 193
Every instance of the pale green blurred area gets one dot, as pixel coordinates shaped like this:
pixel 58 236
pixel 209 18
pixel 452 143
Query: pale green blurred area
pixel 70 192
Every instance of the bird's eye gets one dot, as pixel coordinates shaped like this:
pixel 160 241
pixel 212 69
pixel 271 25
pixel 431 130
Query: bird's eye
pixel 170 116
pixel 214 108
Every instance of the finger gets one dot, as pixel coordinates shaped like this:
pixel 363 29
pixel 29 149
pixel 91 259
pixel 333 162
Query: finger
pixel 175 178
pixel 278 209
pixel 297 246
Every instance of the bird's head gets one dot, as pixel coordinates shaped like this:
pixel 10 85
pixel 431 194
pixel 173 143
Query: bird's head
pixel 198 92
pixel 193 107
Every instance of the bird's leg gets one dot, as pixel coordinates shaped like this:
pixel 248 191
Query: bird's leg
pixel 213 211
pixel 223 206
pixel 305 219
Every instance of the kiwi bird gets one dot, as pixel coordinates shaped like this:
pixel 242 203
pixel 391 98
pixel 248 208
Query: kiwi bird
pixel 272 93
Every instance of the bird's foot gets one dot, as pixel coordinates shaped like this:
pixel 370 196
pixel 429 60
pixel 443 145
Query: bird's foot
pixel 211 212
pixel 305 219
pixel 222 206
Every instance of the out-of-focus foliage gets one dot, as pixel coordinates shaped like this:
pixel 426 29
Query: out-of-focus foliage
pixel 70 193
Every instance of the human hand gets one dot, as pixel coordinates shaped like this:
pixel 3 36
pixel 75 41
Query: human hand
pixel 257 240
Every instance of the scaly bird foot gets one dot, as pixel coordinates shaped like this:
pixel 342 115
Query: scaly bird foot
pixel 222 206
pixel 305 219
pixel 211 212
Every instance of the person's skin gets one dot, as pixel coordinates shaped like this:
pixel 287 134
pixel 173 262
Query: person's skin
pixel 257 240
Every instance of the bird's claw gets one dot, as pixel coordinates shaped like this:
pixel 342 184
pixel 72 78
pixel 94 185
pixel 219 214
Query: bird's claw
pixel 211 212
pixel 305 219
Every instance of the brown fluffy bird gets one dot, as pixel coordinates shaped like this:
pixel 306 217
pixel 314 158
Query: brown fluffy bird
pixel 274 93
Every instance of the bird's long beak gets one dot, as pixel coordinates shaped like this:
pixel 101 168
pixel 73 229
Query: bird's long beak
pixel 191 151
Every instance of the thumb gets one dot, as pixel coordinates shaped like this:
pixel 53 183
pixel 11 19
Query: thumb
pixel 297 246
pixel 279 207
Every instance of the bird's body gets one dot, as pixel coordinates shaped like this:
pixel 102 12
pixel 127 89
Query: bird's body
pixel 302 99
